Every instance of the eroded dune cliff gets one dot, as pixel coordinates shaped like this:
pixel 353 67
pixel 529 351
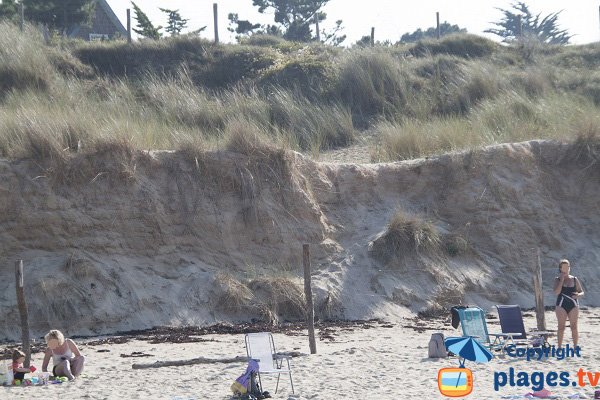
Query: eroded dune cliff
pixel 119 239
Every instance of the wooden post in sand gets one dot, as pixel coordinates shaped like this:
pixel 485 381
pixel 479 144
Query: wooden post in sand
pixel 22 311
pixel 310 309
pixel 539 294
pixel 438 32
pixel 373 37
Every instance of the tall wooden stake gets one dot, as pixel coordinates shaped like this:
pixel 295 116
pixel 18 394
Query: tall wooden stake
pixel 373 37
pixel 310 309
pixel 539 294
pixel 129 25
pixel 317 28
pixel 438 32
pixel 215 14
pixel 21 16
pixel 22 311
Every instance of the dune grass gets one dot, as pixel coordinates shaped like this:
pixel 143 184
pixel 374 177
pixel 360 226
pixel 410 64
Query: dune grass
pixel 511 117
pixel 62 98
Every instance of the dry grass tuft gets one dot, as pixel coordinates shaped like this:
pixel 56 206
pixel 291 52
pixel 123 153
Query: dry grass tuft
pixel 114 160
pixel 442 300
pixel 456 245
pixel 585 150
pixel 282 296
pixel 248 139
pixel 406 234
pixel 233 295
pixel 82 269
pixel 331 307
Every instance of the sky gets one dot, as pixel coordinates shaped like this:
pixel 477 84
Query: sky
pixel 391 18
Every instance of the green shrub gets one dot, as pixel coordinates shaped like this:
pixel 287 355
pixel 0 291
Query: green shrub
pixel 263 40
pixel 162 57
pixel 461 45
pixel 210 65
pixel 231 64
pixel 312 75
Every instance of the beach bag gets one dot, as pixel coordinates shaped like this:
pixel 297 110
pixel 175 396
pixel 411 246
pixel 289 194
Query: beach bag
pixel 6 375
pixel 243 382
pixel 437 348
pixel 246 386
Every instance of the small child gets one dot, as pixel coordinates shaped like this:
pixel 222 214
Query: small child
pixel 18 358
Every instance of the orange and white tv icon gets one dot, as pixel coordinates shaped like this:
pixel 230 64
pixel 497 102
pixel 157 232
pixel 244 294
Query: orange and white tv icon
pixel 455 382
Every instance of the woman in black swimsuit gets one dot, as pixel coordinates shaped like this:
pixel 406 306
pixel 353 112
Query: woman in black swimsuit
pixel 569 290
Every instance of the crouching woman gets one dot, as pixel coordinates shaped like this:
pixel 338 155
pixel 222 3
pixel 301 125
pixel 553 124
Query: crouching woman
pixel 66 358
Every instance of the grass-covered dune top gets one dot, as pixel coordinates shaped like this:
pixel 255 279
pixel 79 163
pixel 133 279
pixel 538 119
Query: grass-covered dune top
pixel 459 92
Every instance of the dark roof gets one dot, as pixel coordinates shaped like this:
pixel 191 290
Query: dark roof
pixel 100 27
pixel 112 16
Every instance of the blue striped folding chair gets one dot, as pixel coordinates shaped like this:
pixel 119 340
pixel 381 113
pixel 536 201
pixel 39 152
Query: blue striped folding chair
pixel 472 322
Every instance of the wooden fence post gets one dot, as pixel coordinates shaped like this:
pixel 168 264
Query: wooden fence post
pixel 519 26
pixel 310 309
pixel 19 284
pixel 215 14
pixel 129 25
pixel 21 16
pixel 438 32
pixel 539 294
pixel 373 37
pixel 317 27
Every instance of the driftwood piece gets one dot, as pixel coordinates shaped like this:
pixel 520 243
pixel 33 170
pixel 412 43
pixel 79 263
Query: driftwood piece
pixel 204 360
pixel 199 360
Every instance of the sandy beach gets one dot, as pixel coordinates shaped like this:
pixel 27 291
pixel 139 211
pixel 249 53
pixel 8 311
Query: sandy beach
pixel 374 360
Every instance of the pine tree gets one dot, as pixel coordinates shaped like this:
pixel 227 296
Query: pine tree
pixel 60 15
pixel 9 10
pixel 176 23
pixel 521 22
pixel 445 29
pixel 296 16
pixel 145 26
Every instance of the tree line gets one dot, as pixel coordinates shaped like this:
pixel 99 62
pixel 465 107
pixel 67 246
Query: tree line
pixel 293 20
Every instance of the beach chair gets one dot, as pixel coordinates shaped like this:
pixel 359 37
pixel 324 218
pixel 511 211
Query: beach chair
pixel 261 347
pixel 472 322
pixel 511 320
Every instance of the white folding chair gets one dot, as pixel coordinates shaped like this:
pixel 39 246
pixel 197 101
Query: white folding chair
pixel 261 347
